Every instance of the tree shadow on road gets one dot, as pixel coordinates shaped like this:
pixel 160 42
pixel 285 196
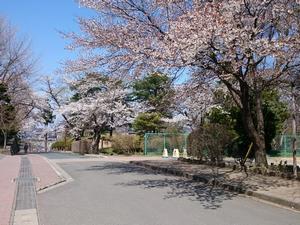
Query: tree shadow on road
pixel 120 168
pixel 210 197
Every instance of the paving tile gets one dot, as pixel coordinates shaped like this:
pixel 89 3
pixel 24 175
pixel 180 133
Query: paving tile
pixel 26 217
pixel 42 170
pixel 9 167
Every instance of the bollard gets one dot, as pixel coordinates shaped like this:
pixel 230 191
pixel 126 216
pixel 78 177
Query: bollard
pixel 165 153
pixel 175 153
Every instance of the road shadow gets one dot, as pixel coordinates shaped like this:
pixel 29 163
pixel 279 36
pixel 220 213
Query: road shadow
pixel 209 196
pixel 117 168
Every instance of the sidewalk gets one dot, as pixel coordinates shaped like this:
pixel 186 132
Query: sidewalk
pixel 35 174
pixel 10 171
pixel 9 167
pixel 274 189
pixel 43 171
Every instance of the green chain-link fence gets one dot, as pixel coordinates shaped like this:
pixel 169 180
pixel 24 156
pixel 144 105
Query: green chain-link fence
pixel 154 143
pixel 282 145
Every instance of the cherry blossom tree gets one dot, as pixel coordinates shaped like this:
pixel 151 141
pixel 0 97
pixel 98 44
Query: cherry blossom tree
pixel 192 102
pixel 16 60
pixel 16 67
pixel 57 93
pixel 16 105
pixel 41 122
pixel 7 114
pixel 249 45
pixel 99 103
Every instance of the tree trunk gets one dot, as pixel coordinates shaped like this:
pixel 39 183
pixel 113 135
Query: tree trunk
pixel 111 129
pixel 5 139
pixel 294 130
pixel 102 140
pixel 46 142
pixel 260 151
pixel 65 141
pixel 96 140
pixel 255 133
pixel 257 140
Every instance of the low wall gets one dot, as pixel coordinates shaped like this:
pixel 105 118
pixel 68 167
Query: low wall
pixel 105 144
pixel 81 146
pixel 6 151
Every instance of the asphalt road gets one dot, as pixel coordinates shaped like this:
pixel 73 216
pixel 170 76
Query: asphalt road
pixel 105 193
pixel 61 155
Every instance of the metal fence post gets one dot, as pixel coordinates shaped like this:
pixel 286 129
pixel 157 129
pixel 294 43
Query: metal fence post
pixel 185 141
pixel 164 140
pixel 285 145
pixel 145 144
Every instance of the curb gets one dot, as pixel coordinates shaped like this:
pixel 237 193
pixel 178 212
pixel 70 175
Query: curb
pixel 96 156
pixel 225 186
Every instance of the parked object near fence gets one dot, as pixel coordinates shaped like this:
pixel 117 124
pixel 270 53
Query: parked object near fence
pixel 155 143
pixel 165 153
pixel 175 153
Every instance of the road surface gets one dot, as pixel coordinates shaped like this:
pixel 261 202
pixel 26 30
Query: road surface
pixel 113 193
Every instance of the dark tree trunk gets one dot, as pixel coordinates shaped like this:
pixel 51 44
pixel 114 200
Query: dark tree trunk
pixel 79 135
pixel 111 129
pixel 294 130
pixel 96 140
pixel 82 133
pixel 255 133
pixel 5 139
pixel 102 140
pixel 260 151
pixel 46 142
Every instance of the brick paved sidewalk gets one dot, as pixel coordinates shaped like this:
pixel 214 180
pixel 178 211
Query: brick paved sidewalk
pixel 45 174
pixel 274 189
pixel 9 167
pixel 35 174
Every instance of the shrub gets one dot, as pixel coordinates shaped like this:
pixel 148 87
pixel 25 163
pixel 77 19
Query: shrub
pixel 209 142
pixel 62 145
pixel 126 144
pixel 107 151
pixel 155 143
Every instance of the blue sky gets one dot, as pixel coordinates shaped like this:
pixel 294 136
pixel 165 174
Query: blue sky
pixel 39 21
